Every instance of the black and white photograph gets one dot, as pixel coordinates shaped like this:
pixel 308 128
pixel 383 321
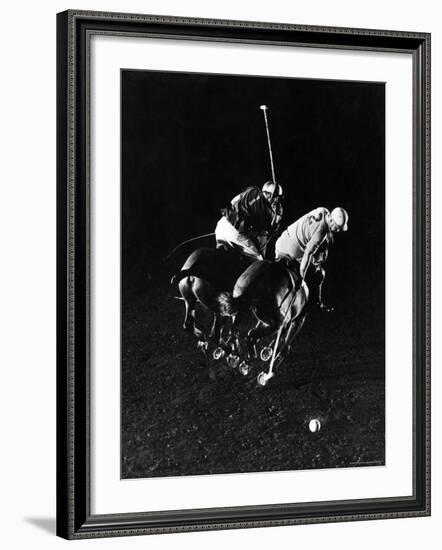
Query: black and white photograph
pixel 222 257
pixel 252 274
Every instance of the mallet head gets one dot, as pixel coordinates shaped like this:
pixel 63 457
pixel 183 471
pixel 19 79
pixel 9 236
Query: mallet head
pixel 263 107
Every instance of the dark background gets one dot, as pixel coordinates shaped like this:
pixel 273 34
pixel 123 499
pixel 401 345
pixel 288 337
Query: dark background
pixel 190 142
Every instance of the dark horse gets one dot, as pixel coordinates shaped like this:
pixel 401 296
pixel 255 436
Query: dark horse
pixel 277 298
pixel 206 273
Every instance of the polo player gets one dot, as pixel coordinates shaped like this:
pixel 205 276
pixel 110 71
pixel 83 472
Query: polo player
pixel 304 245
pixel 250 219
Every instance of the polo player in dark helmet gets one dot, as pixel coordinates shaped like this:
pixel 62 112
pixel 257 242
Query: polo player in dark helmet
pixel 250 220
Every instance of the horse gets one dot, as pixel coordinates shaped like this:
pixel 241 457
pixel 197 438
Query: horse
pixel 205 274
pixel 277 297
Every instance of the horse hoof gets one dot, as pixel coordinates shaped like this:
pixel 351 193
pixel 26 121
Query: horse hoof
pixel 263 378
pixel 218 353
pixel 266 353
pixel 244 368
pixel 253 352
pixel 202 346
pixel 232 361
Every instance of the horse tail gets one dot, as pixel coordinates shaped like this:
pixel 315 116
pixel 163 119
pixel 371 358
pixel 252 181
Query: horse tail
pixel 181 275
pixel 228 305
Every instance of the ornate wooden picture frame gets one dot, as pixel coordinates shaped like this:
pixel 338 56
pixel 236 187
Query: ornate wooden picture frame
pixel 75 514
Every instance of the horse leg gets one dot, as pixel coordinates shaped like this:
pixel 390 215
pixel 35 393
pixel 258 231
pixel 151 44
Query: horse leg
pixel 222 325
pixel 292 332
pixel 215 331
pixel 233 339
pixel 251 348
pixel 186 289
pixel 267 325
pixel 297 315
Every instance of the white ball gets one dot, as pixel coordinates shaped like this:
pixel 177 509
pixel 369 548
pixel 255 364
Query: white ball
pixel 314 425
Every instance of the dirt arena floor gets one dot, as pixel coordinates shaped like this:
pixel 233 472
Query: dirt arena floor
pixel 184 414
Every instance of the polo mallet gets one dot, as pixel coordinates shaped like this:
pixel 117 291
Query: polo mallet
pixel 172 252
pixel 264 109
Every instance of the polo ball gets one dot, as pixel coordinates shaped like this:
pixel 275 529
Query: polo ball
pixel 314 425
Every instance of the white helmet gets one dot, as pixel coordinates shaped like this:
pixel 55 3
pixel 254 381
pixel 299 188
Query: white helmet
pixel 340 217
pixel 269 187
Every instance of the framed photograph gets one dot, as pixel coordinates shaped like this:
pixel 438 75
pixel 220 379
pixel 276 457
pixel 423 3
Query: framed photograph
pixel 243 274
